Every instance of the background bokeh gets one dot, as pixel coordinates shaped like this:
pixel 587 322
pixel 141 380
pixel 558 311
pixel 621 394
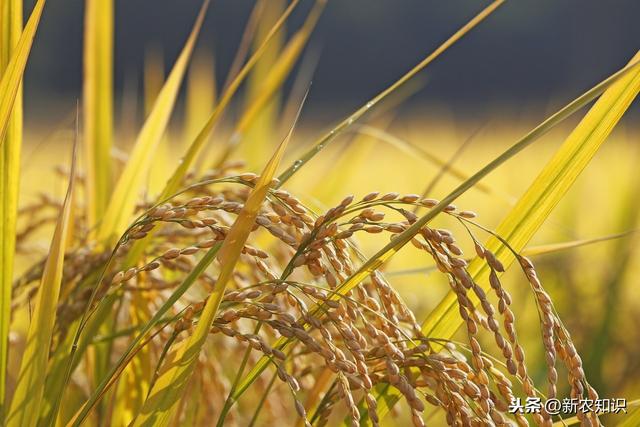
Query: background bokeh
pixel 529 49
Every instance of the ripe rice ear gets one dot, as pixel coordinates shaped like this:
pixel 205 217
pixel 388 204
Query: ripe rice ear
pixel 524 220
pixel 167 391
pixel 387 252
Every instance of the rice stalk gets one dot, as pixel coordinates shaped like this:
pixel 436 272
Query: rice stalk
pixel 98 105
pixel 10 29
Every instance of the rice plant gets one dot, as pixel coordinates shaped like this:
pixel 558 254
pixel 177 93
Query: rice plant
pixel 227 295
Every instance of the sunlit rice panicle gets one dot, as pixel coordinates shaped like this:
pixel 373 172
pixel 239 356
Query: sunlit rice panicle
pixel 287 287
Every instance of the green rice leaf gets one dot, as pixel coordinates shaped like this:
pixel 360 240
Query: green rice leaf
pixel 533 208
pixel 632 418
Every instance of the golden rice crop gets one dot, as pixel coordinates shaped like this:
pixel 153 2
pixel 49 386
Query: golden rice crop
pixel 230 297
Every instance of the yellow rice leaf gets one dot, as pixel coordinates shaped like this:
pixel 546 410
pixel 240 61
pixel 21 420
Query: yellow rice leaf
pixel 166 393
pixel 153 79
pixel 10 29
pixel 261 129
pixel 134 383
pixel 562 246
pixel 130 183
pixel 225 99
pixel 272 81
pixel 196 146
pixel 326 139
pixel 27 399
pixel 533 208
pixel 98 104
pixel 12 75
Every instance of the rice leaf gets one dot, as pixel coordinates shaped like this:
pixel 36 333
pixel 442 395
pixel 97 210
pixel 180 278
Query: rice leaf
pixel 98 104
pixel 563 246
pixel 321 143
pixel 533 208
pixel 387 252
pixel 27 399
pixel 12 75
pixel 200 140
pixel 129 185
pixel 528 215
pixel 168 389
pixel 153 79
pixel 261 130
pixel 134 383
pixel 275 77
pixel 226 97
pixel 10 29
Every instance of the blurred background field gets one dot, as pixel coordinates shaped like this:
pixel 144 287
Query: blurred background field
pixel 498 83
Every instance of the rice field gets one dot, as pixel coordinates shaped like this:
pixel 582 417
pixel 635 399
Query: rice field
pixel 215 253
